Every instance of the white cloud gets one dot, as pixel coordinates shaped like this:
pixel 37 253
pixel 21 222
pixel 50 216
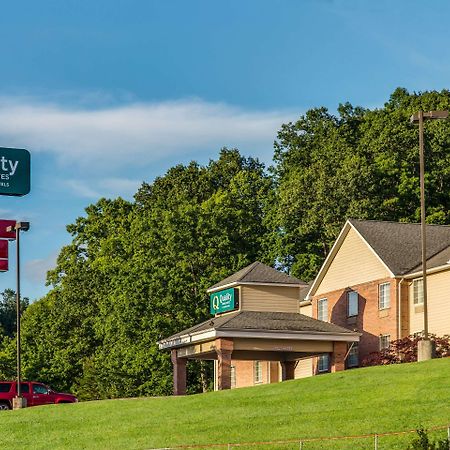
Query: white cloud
pixel 136 134
pixel 106 187
pixel 36 269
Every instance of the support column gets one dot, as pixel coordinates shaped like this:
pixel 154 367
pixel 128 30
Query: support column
pixel 224 349
pixel 338 356
pixel 179 374
pixel 287 370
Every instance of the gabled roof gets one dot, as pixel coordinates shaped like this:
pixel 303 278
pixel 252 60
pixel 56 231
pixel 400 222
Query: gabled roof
pixel 259 321
pixel 258 273
pixel 397 246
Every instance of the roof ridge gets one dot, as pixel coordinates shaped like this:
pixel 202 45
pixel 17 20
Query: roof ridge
pixel 350 219
pixel 250 268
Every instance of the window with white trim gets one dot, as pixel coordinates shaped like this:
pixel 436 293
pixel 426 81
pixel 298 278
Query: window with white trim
pixel 352 303
pixel 384 295
pixel 385 341
pixel 233 376
pixel 353 356
pixel 323 363
pixel 418 291
pixel 258 378
pixel 322 309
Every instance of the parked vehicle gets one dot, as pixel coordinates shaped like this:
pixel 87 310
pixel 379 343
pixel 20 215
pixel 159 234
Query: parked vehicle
pixel 35 393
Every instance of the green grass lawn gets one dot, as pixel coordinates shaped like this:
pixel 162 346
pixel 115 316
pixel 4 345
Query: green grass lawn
pixel 361 401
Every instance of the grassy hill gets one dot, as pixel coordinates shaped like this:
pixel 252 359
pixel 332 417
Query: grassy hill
pixel 362 401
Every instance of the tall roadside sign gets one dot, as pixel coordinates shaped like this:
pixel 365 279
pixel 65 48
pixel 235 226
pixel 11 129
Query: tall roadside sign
pixel 15 171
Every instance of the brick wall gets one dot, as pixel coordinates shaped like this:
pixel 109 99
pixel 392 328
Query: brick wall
pixel 245 372
pixel 370 321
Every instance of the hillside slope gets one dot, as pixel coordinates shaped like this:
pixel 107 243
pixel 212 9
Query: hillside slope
pixel 362 401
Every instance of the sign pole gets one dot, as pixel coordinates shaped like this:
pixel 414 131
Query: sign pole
pixel 19 390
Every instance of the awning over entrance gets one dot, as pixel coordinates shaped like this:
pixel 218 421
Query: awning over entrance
pixel 256 335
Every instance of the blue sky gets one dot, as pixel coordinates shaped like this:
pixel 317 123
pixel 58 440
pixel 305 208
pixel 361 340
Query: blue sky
pixel 107 94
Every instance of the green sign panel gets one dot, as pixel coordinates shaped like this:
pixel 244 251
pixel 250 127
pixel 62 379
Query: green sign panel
pixel 14 171
pixel 223 301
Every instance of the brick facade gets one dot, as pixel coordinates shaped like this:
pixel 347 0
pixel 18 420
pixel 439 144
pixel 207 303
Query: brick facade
pixel 371 321
pixel 245 372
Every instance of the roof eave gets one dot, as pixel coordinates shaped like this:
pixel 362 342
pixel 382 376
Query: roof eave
pixel 429 271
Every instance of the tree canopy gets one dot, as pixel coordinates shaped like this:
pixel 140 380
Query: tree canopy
pixel 138 271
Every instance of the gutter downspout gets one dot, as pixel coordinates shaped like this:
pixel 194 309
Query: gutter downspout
pixel 399 309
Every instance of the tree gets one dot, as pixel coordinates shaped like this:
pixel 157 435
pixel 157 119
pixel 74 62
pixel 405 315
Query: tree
pixel 137 272
pixel 359 164
pixel 8 313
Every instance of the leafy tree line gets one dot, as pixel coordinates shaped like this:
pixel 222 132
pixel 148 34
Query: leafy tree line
pixel 138 271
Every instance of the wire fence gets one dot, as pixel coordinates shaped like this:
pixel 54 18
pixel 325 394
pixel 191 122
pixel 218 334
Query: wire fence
pixel 391 440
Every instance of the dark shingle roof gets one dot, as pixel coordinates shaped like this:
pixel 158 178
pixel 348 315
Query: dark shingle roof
pixel 264 321
pixel 259 273
pixel 399 244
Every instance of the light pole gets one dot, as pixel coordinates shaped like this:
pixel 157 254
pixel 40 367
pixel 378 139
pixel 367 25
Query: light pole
pixel 19 401
pixel 425 346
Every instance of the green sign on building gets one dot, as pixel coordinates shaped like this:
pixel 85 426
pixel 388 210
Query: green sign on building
pixel 223 301
pixel 14 171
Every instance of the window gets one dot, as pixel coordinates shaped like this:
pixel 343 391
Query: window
pixel 322 309
pixel 39 389
pixel 385 340
pixel 384 295
pixel 352 300
pixel 24 388
pixel 5 387
pixel 353 357
pixel 233 376
pixel 258 372
pixel 323 363
pixel 418 291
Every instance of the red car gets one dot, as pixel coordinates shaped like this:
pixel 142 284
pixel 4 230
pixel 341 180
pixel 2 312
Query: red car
pixel 35 393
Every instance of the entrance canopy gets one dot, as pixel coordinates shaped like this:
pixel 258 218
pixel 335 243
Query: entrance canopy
pixel 256 335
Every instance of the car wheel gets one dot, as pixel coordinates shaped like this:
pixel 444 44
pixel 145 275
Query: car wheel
pixel 4 406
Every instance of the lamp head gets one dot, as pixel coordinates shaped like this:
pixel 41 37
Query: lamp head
pixel 431 115
pixel 22 226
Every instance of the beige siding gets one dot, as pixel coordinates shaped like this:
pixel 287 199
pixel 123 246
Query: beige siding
pixel 306 310
pixel 438 305
pixel 304 368
pixel 355 263
pixel 269 298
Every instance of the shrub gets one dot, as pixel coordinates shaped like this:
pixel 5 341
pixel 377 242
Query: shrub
pixel 423 442
pixel 405 350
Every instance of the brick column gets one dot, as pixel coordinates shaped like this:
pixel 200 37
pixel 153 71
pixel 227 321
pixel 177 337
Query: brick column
pixel 287 370
pixel 224 349
pixel 179 374
pixel 338 356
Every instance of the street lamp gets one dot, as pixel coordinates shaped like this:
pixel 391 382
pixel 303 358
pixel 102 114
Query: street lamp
pixel 425 346
pixel 19 401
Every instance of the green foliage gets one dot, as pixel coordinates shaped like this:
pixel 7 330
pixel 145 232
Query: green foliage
pixel 361 164
pixel 8 326
pixel 423 442
pixel 137 272
pixel 8 313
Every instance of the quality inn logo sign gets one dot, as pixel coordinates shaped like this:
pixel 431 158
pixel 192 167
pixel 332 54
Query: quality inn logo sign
pixel 14 171
pixel 223 301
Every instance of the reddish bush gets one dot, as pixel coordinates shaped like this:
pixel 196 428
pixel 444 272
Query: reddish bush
pixel 405 350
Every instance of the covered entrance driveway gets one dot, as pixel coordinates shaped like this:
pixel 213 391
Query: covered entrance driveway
pixel 255 335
